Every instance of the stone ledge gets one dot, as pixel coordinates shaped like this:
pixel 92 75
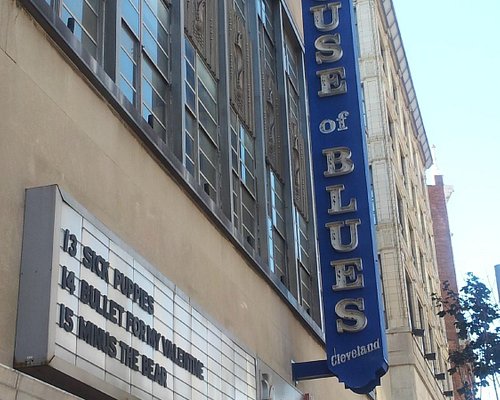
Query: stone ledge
pixel 19 386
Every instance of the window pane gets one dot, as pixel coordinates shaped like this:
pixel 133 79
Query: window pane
pixel 82 20
pixel 83 14
pixel 190 147
pixel 207 100
pixel 248 161
pixel 248 211
pixel 207 169
pixel 128 42
pixel 268 16
pixel 190 52
pixel 236 201
pixel 75 8
pixel 207 122
pixel 278 261
pixel 208 160
pixel 128 64
pixel 208 147
pixel 160 10
pixel 154 78
pixel 250 182
pixel 191 129
pixel 89 21
pixel 155 26
pixel 190 124
pixel 127 68
pixel 127 90
pixel 153 102
pixel 190 98
pixel 234 152
pixel 277 205
pixel 131 16
pixel 207 79
pixel 248 222
pixel 248 141
pixel 190 76
pixel 155 52
pixel 305 288
pixel 155 37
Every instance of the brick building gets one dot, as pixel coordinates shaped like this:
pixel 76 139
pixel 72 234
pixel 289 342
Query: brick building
pixel 439 194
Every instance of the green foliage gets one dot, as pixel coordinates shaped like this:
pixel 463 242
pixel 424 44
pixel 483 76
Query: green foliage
pixel 476 320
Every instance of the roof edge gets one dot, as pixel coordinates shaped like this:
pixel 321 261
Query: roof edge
pixel 405 75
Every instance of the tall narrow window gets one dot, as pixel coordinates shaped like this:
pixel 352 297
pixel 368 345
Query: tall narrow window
pixel 274 135
pixel 402 163
pixel 421 322
pixel 201 140
pixel 82 17
pixel 243 166
pixel 144 59
pixel 295 131
pixel 401 214
pixel 392 135
pixel 423 272
pixel 372 198
pixel 384 301
pixel 409 296
pixel 304 262
pixel 298 155
pixel 413 247
pixel 363 108
pixel 274 139
pixel 277 229
pixel 430 337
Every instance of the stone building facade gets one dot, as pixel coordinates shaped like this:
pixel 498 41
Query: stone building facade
pixel 399 156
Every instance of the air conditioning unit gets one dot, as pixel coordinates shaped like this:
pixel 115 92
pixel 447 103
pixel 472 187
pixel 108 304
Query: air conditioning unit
pixel 440 377
pixel 418 332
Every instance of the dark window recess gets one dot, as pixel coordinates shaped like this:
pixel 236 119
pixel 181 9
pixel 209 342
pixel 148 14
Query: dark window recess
pixel 201 134
pixel 244 195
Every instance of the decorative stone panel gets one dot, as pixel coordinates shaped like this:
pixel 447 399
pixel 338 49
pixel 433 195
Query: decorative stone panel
pixel 201 27
pixel 240 69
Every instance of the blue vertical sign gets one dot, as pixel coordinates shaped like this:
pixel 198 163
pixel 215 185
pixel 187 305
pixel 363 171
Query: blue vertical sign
pixel 354 324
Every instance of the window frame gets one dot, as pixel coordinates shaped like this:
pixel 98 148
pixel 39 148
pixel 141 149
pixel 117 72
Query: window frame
pixel 240 135
pixel 203 137
pixel 144 60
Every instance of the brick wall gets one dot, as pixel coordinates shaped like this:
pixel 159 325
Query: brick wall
pixel 444 255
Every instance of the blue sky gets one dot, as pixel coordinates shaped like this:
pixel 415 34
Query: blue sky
pixel 453 49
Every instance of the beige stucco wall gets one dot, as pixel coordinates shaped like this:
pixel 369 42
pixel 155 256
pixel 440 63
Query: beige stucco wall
pixel 15 385
pixel 55 129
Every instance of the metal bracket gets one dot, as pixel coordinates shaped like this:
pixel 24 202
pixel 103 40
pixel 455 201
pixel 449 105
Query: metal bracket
pixel 311 370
